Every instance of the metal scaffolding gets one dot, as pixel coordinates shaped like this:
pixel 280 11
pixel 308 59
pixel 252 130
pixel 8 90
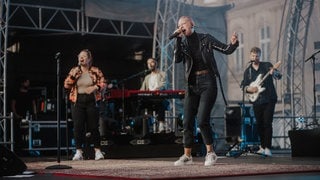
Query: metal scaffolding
pixel 293 54
pixel 4 22
pixel 66 20
pixel 294 48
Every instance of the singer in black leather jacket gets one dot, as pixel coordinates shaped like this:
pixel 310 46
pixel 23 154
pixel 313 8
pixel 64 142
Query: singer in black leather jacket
pixel 207 44
pixel 195 50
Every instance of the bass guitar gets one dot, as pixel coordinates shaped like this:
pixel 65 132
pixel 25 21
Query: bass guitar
pixel 258 83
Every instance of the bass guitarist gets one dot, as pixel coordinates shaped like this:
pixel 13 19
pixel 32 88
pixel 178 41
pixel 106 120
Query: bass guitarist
pixel 264 103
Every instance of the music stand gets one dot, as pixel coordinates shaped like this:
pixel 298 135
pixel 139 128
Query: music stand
pixel 58 166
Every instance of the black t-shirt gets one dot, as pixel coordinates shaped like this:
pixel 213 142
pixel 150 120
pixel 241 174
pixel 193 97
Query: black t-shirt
pixel 198 63
pixel 23 102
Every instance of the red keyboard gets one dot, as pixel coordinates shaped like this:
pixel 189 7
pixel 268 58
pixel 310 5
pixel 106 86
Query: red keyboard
pixel 167 94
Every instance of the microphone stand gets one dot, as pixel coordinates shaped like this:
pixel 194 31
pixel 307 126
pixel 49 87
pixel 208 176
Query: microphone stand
pixel 314 84
pixel 59 166
pixel 133 76
pixel 241 141
pixel 67 123
pixel 123 93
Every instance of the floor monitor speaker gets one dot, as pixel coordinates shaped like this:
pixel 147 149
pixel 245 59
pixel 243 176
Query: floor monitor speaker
pixel 10 163
pixel 305 143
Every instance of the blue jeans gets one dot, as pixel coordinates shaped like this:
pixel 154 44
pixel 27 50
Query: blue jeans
pixel 200 97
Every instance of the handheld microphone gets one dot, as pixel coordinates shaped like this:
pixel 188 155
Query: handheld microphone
pixel 79 67
pixel 147 70
pixel 175 34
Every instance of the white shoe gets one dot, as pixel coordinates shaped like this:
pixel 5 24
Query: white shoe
pixel 98 155
pixel 211 159
pixel 78 156
pixel 267 152
pixel 183 160
pixel 161 127
pixel 260 151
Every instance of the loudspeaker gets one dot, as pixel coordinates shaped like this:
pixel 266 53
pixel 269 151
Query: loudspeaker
pixel 240 123
pixel 305 142
pixel 233 121
pixel 10 164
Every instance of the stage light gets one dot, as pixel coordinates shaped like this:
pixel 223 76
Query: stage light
pixel 138 55
pixel 14 48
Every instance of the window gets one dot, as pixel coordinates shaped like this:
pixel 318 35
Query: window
pixel 265 43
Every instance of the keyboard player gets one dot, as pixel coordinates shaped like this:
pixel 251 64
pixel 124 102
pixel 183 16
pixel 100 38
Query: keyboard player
pixel 154 81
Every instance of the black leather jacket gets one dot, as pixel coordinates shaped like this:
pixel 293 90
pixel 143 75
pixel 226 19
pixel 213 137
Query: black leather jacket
pixel 207 44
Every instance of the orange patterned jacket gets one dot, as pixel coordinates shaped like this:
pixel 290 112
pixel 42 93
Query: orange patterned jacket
pixel 97 79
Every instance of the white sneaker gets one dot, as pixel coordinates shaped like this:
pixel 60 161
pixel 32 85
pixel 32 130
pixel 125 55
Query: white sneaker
pixel 260 151
pixel 211 159
pixel 183 160
pixel 161 127
pixel 98 155
pixel 267 152
pixel 78 156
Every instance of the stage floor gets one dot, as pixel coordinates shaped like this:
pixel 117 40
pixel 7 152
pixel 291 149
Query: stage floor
pixel 247 166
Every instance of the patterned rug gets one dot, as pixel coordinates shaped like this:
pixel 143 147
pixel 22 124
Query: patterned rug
pixel 163 168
